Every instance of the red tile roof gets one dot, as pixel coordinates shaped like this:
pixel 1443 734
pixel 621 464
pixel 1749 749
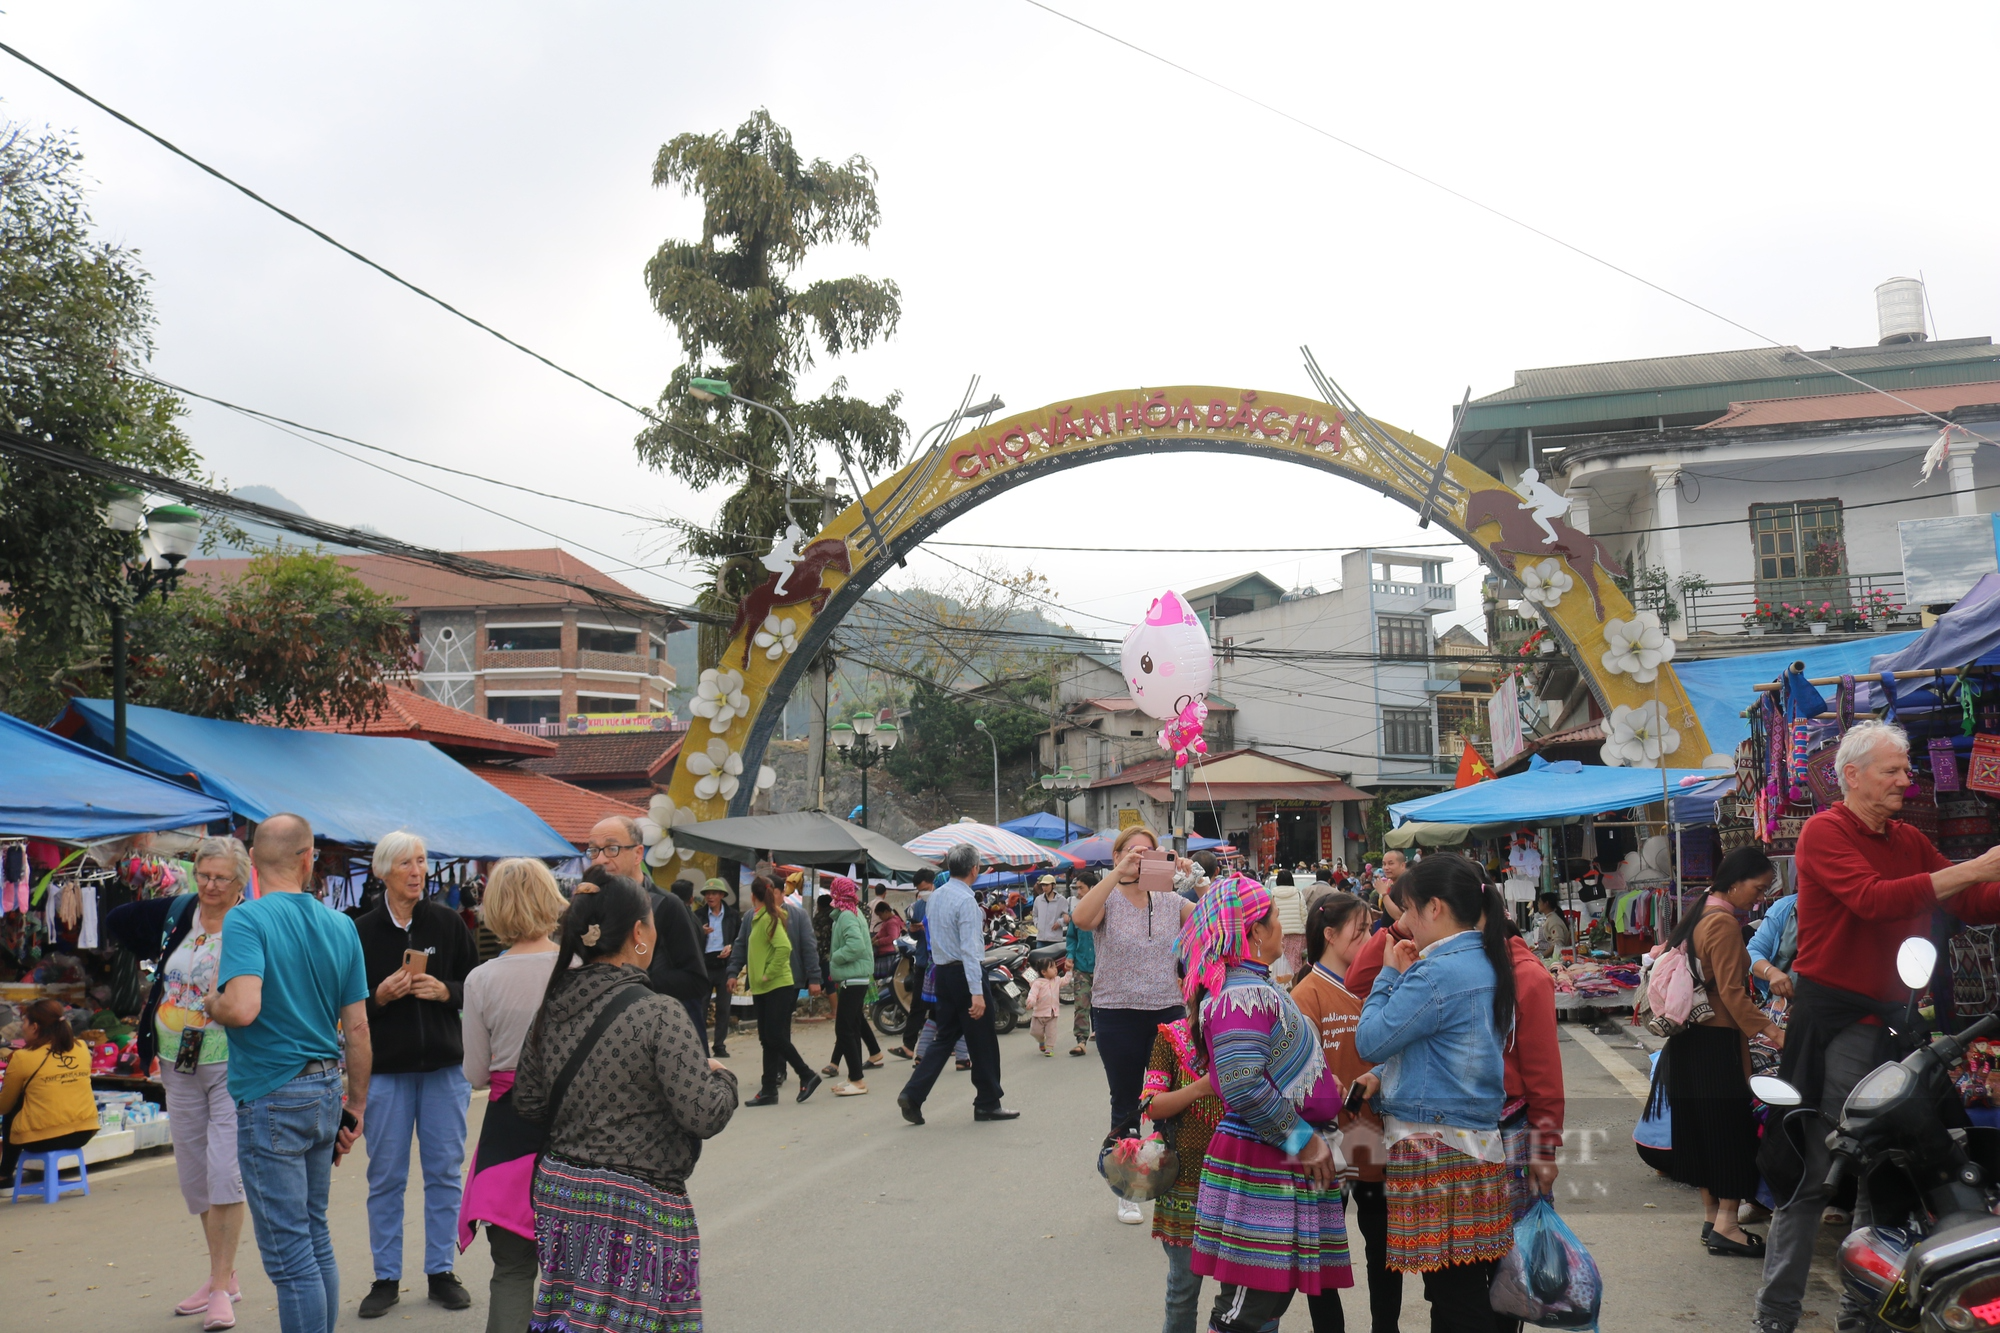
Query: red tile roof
pixel 635 758
pixel 422 586
pixel 419 717
pixel 570 811
pixel 1856 406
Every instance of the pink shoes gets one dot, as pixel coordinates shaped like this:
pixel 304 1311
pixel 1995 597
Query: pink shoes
pixel 221 1312
pixel 202 1302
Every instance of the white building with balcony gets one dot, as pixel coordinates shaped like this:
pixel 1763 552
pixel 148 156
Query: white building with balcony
pixel 1346 680
pixel 1768 475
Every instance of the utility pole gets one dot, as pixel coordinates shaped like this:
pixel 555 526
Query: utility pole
pixel 816 682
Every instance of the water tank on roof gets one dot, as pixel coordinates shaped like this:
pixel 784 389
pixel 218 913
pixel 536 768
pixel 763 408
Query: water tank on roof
pixel 1899 311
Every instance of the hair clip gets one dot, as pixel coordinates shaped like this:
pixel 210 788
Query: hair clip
pixel 586 887
pixel 590 936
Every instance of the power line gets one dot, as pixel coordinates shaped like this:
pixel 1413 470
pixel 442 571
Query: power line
pixel 1201 550
pixel 1485 207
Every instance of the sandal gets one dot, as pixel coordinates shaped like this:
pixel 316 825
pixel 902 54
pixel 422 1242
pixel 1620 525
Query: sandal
pixel 964 1065
pixel 872 1062
pixel 829 1071
pixel 851 1090
pixel 1079 1049
pixel 900 1053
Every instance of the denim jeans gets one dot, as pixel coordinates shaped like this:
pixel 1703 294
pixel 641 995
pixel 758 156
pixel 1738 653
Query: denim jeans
pixel 431 1106
pixel 284 1147
pixel 1183 1289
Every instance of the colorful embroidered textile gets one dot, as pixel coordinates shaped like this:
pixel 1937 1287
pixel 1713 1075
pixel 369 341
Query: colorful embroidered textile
pixel 1213 936
pixel 1261 1223
pixel 1173 1066
pixel 617 1255
pixel 1445 1208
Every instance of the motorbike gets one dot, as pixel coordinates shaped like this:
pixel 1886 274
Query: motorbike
pixel 1002 962
pixel 891 1011
pixel 1932 1260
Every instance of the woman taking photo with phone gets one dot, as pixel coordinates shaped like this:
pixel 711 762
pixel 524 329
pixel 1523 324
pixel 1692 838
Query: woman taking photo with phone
pixel 1136 985
pixel 1437 1015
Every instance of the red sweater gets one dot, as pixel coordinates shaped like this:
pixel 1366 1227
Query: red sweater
pixel 1533 1060
pixel 1861 894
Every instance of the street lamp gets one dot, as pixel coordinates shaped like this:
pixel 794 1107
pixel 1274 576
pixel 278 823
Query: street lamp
pixel 168 535
pixel 1069 782
pixel 707 391
pixel 979 723
pixel 862 744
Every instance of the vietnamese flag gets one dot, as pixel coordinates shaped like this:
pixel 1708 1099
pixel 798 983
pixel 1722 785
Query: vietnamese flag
pixel 1471 768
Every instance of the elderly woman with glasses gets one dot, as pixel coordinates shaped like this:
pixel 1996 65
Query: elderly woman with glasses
pixel 417 954
pixel 183 936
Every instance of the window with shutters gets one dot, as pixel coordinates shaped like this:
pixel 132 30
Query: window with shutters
pixel 1405 638
pixel 1407 731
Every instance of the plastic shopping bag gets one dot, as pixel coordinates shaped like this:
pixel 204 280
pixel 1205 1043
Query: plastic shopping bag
pixel 1548 1279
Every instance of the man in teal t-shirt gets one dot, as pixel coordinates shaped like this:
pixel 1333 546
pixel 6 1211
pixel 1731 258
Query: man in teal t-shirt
pixel 290 988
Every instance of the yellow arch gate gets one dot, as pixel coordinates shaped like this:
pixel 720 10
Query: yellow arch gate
pixel 783 623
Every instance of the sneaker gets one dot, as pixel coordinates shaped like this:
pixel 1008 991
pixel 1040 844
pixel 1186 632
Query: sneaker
pixel 449 1292
pixel 721 1051
pixel 382 1293
pixel 1835 1217
pixel 221 1313
pixel 1130 1213
pixel 198 1302
pixel 1766 1324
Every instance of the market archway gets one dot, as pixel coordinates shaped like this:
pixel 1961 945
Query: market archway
pixel 863 543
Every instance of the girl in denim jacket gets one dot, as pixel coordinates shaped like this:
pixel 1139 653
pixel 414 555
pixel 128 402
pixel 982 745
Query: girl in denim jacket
pixel 1436 1020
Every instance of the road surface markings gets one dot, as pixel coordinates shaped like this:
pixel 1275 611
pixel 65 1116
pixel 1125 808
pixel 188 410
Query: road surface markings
pixel 1614 1064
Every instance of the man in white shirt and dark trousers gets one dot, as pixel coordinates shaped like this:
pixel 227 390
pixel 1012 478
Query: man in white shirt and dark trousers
pixel 1051 911
pixel 958 950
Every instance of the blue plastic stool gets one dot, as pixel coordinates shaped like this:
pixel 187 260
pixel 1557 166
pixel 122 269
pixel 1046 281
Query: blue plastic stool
pixel 53 1187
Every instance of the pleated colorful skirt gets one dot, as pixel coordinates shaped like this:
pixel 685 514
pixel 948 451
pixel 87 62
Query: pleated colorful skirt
pixel 617 1255
pixel 1261 1223
pixel 1445 1207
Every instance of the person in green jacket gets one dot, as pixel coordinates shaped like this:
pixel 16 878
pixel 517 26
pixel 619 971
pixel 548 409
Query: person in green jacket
pixel 773 990
pixel 850 968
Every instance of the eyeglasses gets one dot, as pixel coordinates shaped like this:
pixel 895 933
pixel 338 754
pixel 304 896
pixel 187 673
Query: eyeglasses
pixel 594 850
pixel 209 880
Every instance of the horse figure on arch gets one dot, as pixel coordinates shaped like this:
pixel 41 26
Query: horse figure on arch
pixel 1521 534
pixel 805 581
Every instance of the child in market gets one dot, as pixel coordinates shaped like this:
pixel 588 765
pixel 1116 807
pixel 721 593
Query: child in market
pixel 1185 1110
pixel 1045 1006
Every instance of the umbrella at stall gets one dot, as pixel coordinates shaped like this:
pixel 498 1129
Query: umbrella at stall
pixel 996 846
pixel 1092 851
pixel 803 837
pixel 1045 828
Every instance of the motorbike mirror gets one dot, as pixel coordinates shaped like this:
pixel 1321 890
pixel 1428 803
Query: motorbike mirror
pixel 1774 1091
pixel 1915 961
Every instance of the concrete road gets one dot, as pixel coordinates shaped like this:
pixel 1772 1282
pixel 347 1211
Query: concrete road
pixel 836 1211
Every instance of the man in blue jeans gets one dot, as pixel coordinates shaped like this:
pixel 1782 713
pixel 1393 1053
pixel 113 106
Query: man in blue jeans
pixel 284 1065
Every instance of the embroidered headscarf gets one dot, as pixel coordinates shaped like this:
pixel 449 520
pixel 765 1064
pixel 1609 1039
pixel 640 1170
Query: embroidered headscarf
pixel 1217 932
pixel 846 894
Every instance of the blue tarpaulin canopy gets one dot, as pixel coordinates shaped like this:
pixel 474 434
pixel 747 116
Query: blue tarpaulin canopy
pixel 53 788
pixel 1045 827
pixel 351 789
pixel 1723 687
pixel 1968 633
pixel 1549 792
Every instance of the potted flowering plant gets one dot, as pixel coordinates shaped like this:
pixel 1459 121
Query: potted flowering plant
pixel 1758 619
pixel 1878 607
pixel 1817 616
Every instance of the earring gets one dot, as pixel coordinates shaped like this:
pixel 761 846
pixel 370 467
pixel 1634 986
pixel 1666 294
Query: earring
pixel 643 949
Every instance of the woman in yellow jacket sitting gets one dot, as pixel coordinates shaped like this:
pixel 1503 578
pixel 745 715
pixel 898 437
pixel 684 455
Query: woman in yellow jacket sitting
pixel 46 1097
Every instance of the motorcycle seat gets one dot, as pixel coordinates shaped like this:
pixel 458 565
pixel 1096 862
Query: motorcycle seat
pixel 1047 953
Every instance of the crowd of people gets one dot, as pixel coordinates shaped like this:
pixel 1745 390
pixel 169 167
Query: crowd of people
pixel 1383 1049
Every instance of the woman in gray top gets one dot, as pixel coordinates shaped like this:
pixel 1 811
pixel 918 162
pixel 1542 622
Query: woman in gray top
pixel 610 1193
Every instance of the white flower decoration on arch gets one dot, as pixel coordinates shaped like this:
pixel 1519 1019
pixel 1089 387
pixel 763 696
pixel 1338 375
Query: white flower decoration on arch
pixel 777 637
pixel 718 770
pixel 719 697
pixel 1639 737
pixel 1545 582
pixel 663 814
pixel 1637 647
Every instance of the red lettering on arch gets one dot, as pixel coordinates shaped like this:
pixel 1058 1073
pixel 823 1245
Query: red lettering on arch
pixel 957 461
pixel 1264 423
pixel 989 455
pixel 1243 416
pixel 1015 435
pixel 1218 414
pixel 1302 424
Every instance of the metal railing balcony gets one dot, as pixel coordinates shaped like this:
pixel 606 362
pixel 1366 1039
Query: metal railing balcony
pixel 1721 607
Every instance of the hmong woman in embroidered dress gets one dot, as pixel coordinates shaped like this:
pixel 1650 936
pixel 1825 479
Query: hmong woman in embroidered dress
pixel 1435 1020
pixel 1268 1218
pixel 614 1231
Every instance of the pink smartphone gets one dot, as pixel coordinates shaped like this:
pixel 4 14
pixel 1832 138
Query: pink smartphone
pixel 1156 872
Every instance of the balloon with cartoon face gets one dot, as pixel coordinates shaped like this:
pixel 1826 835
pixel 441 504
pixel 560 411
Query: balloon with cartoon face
pixel 1166 658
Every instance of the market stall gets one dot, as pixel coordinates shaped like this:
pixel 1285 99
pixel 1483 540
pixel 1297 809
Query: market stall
pixel 58 799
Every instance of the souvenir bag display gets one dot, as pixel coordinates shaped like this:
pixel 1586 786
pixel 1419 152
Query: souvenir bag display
pixel 1983 772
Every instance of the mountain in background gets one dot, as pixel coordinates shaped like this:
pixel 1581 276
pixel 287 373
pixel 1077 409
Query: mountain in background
pixel 264 535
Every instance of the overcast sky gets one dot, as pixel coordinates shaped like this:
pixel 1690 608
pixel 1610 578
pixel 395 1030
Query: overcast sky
pixel 1062 215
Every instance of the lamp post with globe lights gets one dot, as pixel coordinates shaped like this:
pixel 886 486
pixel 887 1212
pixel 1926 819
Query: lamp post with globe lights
pixel 863 743
pixel 168 535
pixel 1066 782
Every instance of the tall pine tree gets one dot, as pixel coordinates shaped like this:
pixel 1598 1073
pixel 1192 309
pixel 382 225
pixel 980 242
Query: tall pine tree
pixel 729 297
